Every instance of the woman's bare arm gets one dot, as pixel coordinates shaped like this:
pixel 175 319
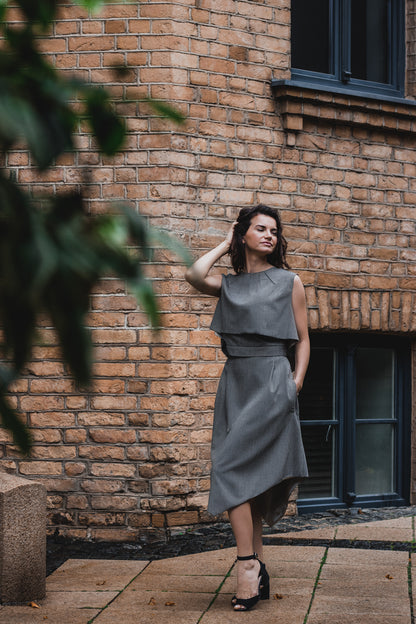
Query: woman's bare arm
pixel 197 274
pixel 302 350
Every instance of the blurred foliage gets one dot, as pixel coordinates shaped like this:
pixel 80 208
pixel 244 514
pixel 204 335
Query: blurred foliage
pixel 52 253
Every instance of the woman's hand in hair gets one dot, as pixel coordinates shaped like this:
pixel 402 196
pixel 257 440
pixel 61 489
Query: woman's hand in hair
pixel 230 234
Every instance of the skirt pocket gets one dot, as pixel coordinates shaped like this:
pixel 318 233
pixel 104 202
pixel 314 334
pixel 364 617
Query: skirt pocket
pixel 292 390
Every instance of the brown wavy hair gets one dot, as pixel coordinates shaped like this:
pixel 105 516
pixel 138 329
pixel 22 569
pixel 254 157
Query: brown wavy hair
pixel 237 250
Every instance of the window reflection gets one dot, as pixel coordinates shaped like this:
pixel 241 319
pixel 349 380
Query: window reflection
pixel 310 35
pixel 374 459
pixel 369 38
pixel 374 382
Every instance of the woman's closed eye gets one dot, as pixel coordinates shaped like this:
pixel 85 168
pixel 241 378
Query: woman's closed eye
pixel 262 229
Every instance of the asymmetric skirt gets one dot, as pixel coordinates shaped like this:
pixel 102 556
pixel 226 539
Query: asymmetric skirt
pixel 257 451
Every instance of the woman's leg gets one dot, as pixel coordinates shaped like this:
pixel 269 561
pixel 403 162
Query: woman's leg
pixel 242 525
pixel 247 525
pixel 257 530
pixel 247 571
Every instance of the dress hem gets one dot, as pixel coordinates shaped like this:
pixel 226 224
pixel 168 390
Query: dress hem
pixel 296 480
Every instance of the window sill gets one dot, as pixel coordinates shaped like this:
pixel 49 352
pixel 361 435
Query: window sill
pixel 299 101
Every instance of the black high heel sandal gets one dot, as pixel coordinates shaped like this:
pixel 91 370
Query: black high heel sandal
pixel 264 583
pixel 249 603
pixel 264 588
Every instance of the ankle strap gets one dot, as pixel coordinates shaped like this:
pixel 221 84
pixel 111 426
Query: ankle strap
pixel 253 556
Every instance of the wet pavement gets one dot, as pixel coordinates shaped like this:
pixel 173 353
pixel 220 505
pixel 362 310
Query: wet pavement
pixel 361 571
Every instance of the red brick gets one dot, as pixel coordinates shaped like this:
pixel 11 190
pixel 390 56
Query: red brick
pixel 73 469
pixel 113 470
pixel 113 436
pixel 40 468
pixel 102 485
pixel 117 502
pixel 61 451
pixel 101 452
pixel 101 419
pixel 181 518
pixel 114 402
pixel 97 43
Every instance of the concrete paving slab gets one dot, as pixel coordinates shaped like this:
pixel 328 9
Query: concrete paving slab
pixel 355 556
pixel 369 532
pixel 357 604
pixel 394 523
pixel 80 599
pixel 325 534
pixel 93 575
pixel 154 617
pixel 365 573
pixel 48 615
pixel 293 553
pixel 300 562
pixel 253 617
pixel 216 563
pixel 169 582
pixel 266 612
pixel 348 618
pixel 134 607
pixel 343 588
pixel 291 569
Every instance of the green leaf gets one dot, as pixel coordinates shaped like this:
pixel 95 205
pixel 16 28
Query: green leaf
pixel 14 114
pixel 166 110
pixel 18 264
pixel 108 128
pixel 42 11
pixel 143 291
pixel 7 376
pixel 95 5
pixel 137 226
pixel 11 422
pixel 34 101
pixel 167 241
pixel 74 337
pixel 113 231
pixel 3 8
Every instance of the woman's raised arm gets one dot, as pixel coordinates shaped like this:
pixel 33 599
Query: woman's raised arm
pixel 197 274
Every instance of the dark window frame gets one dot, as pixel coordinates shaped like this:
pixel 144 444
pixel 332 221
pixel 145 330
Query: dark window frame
pixel 345 345
pixel 340 55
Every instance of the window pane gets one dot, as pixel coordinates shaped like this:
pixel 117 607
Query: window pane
pixel 374 459
pixel 310 35
pixel 317 396
pixel 319 442
pixel 369 40
pixel 375 376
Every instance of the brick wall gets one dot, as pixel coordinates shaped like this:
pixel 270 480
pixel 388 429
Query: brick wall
pixel 131 457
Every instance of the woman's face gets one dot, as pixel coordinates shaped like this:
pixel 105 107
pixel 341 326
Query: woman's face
pixel 261 236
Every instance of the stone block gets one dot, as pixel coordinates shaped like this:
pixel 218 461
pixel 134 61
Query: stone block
pixel 22 540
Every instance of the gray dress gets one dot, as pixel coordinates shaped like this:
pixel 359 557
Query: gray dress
pixel 257 451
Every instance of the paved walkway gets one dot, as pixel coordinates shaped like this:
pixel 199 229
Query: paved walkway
pixel 314 584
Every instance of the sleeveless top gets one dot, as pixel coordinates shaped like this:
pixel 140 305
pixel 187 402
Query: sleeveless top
pixel 257 303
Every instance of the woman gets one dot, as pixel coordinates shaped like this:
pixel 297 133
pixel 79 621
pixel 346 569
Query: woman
pixel 257 452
